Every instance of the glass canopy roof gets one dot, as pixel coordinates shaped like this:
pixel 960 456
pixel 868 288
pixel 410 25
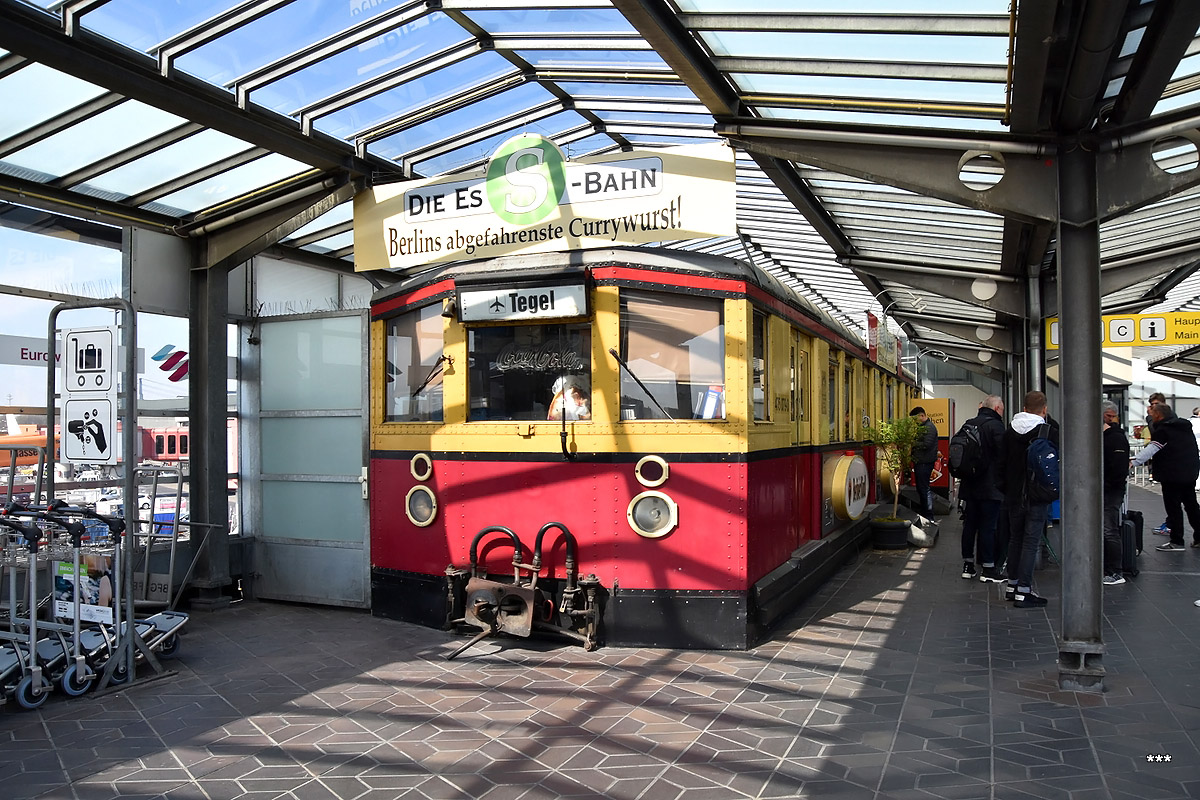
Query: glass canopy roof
pixel 160 114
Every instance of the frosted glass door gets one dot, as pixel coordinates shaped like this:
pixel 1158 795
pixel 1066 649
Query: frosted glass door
pixel 311 525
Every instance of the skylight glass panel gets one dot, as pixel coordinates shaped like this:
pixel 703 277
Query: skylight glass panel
pixel 145 24
pixel 337 242
pixel 40 93
pixel 448 126
pixel 397 103
pixel 650 118
pixel 898 119
pixel 874 88
pixel 338 215
pixel 574 21
pixel 589 145
pixel 652 140
pixel 549 127
pixel 167 163
pixel 265 171
pixel 394 50
pixel 990 7
pixel 274 36
pixel 616 91
pixel 598 59
pixel 95 138
pixel 917 48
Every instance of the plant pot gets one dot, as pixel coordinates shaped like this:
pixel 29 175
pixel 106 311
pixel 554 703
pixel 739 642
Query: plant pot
pixel 890 534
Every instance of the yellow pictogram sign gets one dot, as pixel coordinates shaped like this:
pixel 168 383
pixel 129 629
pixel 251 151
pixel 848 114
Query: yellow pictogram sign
pixel 1133 330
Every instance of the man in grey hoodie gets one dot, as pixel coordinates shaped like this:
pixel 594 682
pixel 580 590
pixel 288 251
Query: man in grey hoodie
pixel 1026 518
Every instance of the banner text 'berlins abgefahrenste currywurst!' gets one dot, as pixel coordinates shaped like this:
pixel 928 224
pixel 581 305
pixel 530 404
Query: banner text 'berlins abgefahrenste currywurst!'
pixel 530 199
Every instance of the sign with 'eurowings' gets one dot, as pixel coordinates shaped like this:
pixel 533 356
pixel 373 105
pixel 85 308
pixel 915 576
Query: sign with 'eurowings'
pixel 530 199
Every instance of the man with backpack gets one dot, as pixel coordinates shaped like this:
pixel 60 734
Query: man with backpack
pixel 1175 464
pixel 973 455
pixel 1026 494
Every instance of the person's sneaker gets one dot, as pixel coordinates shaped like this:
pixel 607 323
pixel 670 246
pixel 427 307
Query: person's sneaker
pixel 992 574
pixel 1170 547
pixel 1028 600
pixel 1114 579
pixel 1196 604
pixel 1010 593
pixel 968 570
pixel 1195 544
pixel 1162 530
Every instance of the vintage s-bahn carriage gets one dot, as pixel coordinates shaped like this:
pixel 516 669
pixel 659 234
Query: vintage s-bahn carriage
pixel 693 429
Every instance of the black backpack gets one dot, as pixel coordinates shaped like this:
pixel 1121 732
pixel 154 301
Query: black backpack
pixel 966 452
pixel 1042 470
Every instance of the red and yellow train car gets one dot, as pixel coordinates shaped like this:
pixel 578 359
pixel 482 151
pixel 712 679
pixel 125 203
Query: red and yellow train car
pixel 695 427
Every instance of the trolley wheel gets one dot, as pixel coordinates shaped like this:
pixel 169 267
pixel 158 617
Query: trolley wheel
pixel 120 675
pixel 25 696
pixel 72 684
pixel 170 646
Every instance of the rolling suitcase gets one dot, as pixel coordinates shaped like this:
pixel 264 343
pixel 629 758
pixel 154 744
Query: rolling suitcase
pixel 1131 542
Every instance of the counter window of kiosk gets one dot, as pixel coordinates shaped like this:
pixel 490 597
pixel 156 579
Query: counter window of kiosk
pixel 675 345
pixel 530 372
pixel 413 372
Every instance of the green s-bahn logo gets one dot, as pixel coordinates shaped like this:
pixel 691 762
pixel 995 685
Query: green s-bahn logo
pixel 526 179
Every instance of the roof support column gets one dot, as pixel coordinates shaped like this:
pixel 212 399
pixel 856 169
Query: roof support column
pixel 1080 649
pixel 208 400
pixel 1035 358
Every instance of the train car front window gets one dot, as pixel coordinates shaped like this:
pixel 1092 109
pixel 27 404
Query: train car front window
pixel 413 372
pixel 530 372
pixel 674 346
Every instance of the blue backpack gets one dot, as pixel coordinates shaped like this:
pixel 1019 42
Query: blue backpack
pixel 1042 473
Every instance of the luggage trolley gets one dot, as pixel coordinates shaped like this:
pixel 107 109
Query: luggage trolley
pixel 157 589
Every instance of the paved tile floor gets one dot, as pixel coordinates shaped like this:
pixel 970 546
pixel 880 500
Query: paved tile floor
pixel 898 680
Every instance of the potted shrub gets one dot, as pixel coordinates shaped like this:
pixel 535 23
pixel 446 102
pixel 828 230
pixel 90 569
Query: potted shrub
pixel 893 447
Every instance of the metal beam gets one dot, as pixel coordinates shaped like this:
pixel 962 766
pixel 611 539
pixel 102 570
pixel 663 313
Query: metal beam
pixel 802 22
pixel 237 241
pixel 992 292
pixel 1026 191
pixel 48 198
pixel 988 335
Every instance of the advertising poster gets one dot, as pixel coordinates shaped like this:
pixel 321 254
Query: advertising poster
pixel 95 589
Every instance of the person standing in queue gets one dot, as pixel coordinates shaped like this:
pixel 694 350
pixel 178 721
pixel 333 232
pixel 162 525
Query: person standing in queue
pixel 982 499
pixel 1175 464
pixel 1115 459
pixel 924 456
pixel 1026 517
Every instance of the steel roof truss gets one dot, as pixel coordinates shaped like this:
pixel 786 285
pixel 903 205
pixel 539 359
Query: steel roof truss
pixel 993 336
pixel 238 241
pixel 1027 191
pixel 1005 297
pixel 1128 178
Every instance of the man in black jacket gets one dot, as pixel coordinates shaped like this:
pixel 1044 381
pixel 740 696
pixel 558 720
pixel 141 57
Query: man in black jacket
pixel 1115 445
pixel 924 456
pixel 1026 518
pixel 981 497
pixel 1175 464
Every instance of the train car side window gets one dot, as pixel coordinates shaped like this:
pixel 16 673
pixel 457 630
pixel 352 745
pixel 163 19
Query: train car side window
pixel 183 444
pixel 675 346
pixel 413 372
pixel 530 372
pixel 759 387
pixel 159 445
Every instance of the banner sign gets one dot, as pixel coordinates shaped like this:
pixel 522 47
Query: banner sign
pixel 530 199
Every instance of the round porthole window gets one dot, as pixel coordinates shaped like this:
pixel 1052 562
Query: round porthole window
pixel 421 466
pixel 653 514
pixel 652 471
pixel 420 506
